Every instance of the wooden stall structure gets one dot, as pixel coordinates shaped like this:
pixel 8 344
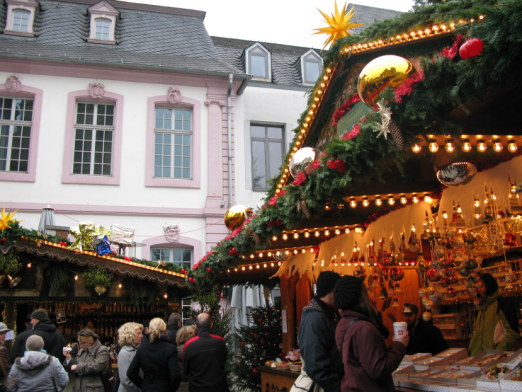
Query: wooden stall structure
pixel 405 170
pixel 60 279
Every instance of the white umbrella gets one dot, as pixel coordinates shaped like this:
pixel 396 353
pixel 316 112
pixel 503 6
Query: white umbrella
pixel 46 219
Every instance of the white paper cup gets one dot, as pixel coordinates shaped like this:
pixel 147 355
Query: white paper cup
pixel 400 328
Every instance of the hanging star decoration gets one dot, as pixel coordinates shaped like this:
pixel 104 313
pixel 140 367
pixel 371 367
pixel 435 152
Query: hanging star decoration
pixel 7 219
pixel 338 24
pixel 386 120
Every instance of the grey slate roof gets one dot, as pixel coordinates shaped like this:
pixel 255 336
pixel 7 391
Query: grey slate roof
pixel 148 37
pixel 286 64
pixel 368 15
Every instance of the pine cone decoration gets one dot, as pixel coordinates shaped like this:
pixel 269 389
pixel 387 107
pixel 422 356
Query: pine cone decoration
pixel 301 206
pixel 396 135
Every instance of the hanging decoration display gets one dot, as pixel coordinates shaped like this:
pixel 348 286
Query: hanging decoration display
pixel 456 173
pixel 339 24
pixel 471 48
pixel 302 159
pixel 236 215
pixel 381 73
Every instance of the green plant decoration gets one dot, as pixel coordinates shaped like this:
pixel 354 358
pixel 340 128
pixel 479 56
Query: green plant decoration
pixel 60 280
pixel 97 280
pixel 10 263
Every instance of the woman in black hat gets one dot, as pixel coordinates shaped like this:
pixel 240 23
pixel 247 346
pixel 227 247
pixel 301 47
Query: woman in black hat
pixel 360 337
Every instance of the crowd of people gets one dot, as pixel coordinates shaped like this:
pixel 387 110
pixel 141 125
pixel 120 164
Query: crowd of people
pixel 159 358
pixel 342 338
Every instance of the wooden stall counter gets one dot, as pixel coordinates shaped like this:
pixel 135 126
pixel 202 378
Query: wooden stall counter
pixel 275 380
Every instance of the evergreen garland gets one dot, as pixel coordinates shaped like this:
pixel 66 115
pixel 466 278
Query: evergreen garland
pixel 258 342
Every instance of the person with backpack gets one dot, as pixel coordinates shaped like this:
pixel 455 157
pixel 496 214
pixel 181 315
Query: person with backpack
pixel 36 371
pixel 496 323
pixel 360 338
pixel 91 366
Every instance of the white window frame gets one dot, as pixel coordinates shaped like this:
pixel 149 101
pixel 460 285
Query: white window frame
pixel 96 129
pixel 260 50
pixel 310 56
pixel 67 170
pixel 20 5
pixel 173 131
pixel 102 10
pixel 171 253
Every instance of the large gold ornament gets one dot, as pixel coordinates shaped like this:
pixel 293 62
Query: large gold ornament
pixel 236 215
pixel 301 159
pixel 338 24
pixel 380 73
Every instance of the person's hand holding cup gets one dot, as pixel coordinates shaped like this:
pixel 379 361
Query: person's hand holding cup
pixel 400 333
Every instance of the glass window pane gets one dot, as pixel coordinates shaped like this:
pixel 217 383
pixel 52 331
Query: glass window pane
pixel 275 154
pixel 275 133
pixel 257 131
pixel 312 71
pixel 258 66
pixel 258 165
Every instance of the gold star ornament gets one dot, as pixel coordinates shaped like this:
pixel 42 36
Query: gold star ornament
pixel 6 219
pixel 338 24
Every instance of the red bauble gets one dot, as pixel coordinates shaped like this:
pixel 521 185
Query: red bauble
pixel 433 275
pixel 471 48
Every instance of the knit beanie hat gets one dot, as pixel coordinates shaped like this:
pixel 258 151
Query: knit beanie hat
pixel 326 282
pixel 347 292
pixel 40 314
pixel 34 343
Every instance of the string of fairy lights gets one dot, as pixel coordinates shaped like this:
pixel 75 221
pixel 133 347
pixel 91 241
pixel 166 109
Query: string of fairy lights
pixel 318 93
pixel 467 143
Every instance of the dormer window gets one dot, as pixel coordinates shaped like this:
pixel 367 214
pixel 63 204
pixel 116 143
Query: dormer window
pixel 311 65
pixel 20 17
pixel 103 23
pixel 259 63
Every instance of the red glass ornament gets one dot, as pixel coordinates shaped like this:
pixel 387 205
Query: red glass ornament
pixel 471 48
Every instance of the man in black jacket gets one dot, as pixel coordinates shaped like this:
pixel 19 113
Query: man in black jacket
pixel 322 361
pixel 42 326
pixel 424 336
pixel 204 359
pixel 173 326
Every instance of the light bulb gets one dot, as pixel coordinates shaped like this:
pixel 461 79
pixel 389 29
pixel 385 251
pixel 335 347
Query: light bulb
pixel 416 148
pixel 365 202
pixel 512 146
pixel 433 146
pixel 450 146
pixel 481 146
pixel 378 202
pixel 415 198
pixel 403 199
pixel 391 200
pixel 497 146
pixel 466 146
pixel 353 203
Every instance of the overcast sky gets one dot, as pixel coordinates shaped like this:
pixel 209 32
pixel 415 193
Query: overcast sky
pixel 290 22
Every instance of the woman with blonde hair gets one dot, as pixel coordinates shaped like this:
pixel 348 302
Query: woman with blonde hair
pixel 158 360
pixel 129 338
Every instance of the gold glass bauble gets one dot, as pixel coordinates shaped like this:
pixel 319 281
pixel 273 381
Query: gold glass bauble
pixel 236 215
pixel 302 158
pixel 380 73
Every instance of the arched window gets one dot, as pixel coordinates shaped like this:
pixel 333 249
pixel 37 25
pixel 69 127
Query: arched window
pixel 103 28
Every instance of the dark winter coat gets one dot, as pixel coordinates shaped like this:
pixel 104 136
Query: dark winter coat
pixel 317 345
pixel 368 363
pixel 158 361
pixel 172 330
pixel 52 337
pixel 425 338
pixel 204 361
pixel 37 372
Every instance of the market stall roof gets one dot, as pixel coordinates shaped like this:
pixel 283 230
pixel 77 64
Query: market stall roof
pixel 450 103
pixel 91 259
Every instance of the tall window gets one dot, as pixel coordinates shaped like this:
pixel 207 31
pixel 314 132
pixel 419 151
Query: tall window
pixel 181 257
pixel 103 28
pixel 15 133
pixel 93 139
pixel 258 62
pixel 173 143
pixel 267 143
pixel 21 20
pixel 311 67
